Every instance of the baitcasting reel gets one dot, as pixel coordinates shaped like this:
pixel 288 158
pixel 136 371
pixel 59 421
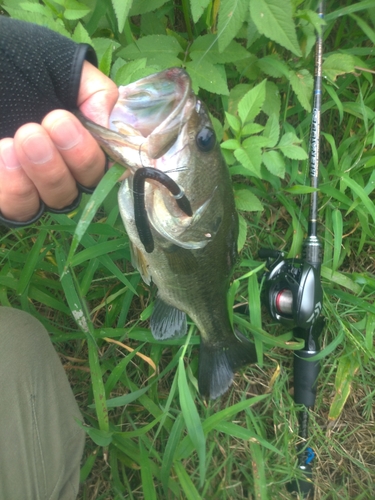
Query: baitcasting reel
pixel 292 290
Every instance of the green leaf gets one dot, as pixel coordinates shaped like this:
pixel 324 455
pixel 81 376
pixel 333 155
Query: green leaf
pixel 232 14
pixel 208 77
pixel 101 438
pixel 246 200
pixel 302 83
pixel 274 163
pixel 154 48
pixel 192 420
pixel 272 130
pixel 121 8
pixel 273 19
pixel 251 160
pixel 338 64
pixel 206 47
pixel 149 491
pixel 289 147
pixel 273 66
pixel 346 370
pixel 75 10
pixel 197 8
pixel 187 485
pixel 102 190
pixel 251 103
pixel 242 233
pixel 80 35
pixel 144 6
pixel 337 226
pixel 233 122
pixel 272 102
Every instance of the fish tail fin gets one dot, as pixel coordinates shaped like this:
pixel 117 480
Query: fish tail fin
pixel 217 364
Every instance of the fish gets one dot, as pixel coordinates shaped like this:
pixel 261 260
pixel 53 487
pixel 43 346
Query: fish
pixel 159 124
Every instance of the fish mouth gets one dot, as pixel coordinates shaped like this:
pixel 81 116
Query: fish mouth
pixel 156 107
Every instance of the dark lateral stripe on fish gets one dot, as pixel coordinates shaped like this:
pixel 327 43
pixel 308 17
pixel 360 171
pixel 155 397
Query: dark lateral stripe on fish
pixel 140 213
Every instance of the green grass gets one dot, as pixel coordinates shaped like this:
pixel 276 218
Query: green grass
pixel 149 433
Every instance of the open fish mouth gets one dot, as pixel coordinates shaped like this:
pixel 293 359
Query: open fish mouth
pixel 155 107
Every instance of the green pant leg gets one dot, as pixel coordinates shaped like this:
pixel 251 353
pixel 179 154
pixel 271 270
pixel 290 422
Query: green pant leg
pixel 41 443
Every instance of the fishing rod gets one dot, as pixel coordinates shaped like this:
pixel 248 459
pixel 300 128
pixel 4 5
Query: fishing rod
pixel 293 294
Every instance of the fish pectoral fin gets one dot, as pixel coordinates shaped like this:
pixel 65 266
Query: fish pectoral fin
pixel 139 262
pixel 167 321
pixel 217 364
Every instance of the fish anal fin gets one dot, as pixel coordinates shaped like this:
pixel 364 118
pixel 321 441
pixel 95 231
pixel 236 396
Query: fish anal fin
pixel 167 321
pixel 217 364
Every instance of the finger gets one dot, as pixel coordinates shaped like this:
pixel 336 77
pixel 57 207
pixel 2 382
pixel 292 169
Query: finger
pixel 43 164
pixel 19 198
pixel 97 94
pixel 77 147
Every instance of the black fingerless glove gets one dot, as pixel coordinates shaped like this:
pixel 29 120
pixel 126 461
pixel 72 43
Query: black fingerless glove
pixel 40 70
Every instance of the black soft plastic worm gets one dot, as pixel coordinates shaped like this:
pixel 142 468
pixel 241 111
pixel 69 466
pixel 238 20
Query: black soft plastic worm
pixel 140 213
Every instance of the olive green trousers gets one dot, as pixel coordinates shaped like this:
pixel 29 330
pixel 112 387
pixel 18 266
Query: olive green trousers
pixel 41 444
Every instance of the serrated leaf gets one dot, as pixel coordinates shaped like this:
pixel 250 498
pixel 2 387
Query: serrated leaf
pixel 289 146
pixel 251 128
pixel 206 47
pixel 208 77
pixel 272 66
pixel 272 130
pixel 251 103
pixel 197 8
pixel 75 10
pixel 302 83
pixel 274 163
pixel 251 161
pixel 246 200
pixel 272 102
pixel 274 19
pixel 80 35
pixel 233 122
pixel 151 46
pixel 124 74
pixel 242 233
pixel 230 144
pixel 232 15
pixel 338 64
pixel 144 6
pixel 121 8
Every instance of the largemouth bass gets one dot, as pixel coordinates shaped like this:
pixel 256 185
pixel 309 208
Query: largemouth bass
pixel 158 123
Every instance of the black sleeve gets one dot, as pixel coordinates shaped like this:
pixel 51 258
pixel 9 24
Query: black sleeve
pixel 40 70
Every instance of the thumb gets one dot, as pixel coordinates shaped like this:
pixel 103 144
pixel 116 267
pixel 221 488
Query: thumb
pixel 97 94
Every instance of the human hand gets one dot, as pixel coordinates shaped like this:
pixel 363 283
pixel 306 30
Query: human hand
pixel 44 162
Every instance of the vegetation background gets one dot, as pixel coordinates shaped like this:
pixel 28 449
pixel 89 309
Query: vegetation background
pixel 149 433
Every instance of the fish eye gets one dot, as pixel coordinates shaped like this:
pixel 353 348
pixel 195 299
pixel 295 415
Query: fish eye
pixel 205 139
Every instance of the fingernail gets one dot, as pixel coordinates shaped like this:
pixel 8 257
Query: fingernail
pixel 38 148
pixel 65 134
pixel 8 156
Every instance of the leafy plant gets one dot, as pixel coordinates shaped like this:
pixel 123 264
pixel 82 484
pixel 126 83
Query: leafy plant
pixel 252 62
